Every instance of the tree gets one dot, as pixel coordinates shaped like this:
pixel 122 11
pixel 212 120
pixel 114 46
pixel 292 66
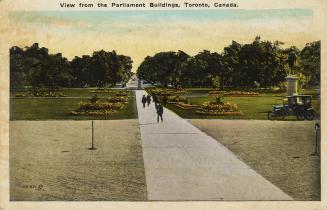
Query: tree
pixel 231 76
pixel 109 68
pixel 310 62
pixel 52 72
pixel 81 76
pixel 17 68
pixel 202 70
pixel 163 67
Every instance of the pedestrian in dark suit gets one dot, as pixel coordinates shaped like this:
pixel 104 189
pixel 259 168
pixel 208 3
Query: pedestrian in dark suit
pixel 159 112
pixel 148 99
pixel 155 100
pixel 143 101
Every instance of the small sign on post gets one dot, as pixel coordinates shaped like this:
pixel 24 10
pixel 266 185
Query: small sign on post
pixel 92 147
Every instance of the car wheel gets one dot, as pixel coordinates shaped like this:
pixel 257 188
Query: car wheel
pixel 280 116
pixel 300 116
pixel 309 115
pixel 271 116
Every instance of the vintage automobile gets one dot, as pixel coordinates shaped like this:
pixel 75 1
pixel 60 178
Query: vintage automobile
pixel 297 105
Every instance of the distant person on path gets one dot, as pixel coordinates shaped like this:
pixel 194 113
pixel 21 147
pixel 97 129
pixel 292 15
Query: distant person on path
pixel 165 100
pixel 143 101
pixel 155 100
pixel 148 99
pixel 159 112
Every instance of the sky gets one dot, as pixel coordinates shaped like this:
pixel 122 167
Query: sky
pixel 142 33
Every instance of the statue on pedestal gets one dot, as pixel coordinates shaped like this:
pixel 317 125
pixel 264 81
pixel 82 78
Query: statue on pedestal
pixel 292 62
pixel 292 86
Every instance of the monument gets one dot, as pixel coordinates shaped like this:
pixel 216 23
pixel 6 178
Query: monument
pixel 292 79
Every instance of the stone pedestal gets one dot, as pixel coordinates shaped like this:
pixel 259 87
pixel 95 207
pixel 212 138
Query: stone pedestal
pixel 292 86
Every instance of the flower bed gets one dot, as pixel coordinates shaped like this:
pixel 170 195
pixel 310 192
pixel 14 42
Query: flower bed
pixel 117 99
pixel 216 92
pixel 102 90
pixel 122 94
pixel 41 94
pixel 98 108
pixel 95 112
pixel 218 109
pixel 274 91
pixel 175 99
pixel 217 113
pixel 186 106
pixel 164 91
pixel 233 93
pixel 100 105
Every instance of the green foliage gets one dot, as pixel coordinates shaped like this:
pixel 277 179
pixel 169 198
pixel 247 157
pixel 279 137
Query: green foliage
pixel 251 107
pixel 38 109
pixel 310 62
pixel 260 64
pixel 163 68
pixel 34 66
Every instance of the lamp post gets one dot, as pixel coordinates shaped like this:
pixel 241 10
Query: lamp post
pixel 317 128
pixel 92 147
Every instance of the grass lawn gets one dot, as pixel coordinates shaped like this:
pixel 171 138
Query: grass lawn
pixel 50 161
pixel 73 92
pixel 60 108
pixel 278 150
pixel 251 107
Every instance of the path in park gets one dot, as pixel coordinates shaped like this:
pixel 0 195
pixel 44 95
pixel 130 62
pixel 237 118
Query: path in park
pixel 183 163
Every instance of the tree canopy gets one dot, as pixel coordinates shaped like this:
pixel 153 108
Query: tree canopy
pixel 258 64
pixel 34 66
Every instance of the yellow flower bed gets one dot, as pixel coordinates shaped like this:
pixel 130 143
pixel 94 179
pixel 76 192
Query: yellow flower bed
pixel 103 90
pixel 219 107
pixel 95 112
pixel 233 93
pixel 186 106
pixel 176 99
pixel 218 113
pixel 98 108
pixel 164 91
pixel 117 99
pixel 100 105
pixel 223 109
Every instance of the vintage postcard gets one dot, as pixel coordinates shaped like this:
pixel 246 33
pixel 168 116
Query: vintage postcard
pixel 163 104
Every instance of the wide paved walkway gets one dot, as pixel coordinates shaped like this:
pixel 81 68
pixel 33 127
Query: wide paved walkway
pixel 183 163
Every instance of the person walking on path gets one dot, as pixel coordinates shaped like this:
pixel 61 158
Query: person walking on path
pixel 164 100
pixel 143 101
pixel 148 99
pixel 159 112
pixel 155 100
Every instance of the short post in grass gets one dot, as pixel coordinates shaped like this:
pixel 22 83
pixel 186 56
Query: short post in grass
pixel 317 128
pixel 92 147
